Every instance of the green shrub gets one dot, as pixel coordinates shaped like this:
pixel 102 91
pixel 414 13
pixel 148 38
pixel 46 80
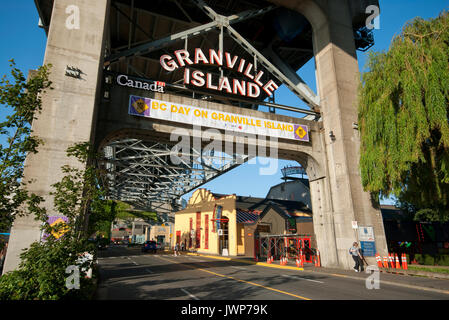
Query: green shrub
pixel 419 258
pixel 429 260
pixel 443 260
pixel 41 274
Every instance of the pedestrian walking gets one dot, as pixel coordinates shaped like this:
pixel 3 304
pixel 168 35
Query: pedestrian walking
pixel 176 249
pixel 355 252
pixel 182 246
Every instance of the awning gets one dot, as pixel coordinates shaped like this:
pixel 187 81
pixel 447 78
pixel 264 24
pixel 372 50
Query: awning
pixel 246 216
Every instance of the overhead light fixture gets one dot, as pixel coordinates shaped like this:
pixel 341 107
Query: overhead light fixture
pixel 331 135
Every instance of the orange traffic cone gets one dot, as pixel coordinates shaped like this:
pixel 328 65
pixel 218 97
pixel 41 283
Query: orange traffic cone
pixel 385 262
pixel 391 260
pixel 318 258
pixel 297 263
pixel 404 261
pixel 398 266
pixel 379 260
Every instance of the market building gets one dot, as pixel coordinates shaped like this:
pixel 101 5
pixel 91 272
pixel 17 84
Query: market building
pixel 238 226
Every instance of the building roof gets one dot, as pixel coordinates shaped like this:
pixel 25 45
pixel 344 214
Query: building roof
pixel 292 208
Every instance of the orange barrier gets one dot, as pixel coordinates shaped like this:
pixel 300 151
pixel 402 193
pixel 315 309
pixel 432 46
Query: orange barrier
pixel 391 260
pixel 385 262
pixel 404 261
pixel 379 260
pixel 316 259
pixel 398 266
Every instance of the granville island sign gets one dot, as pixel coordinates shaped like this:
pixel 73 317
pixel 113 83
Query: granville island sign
pixel 197 78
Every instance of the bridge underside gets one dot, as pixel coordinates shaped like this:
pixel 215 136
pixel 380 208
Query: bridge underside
pixel 144 174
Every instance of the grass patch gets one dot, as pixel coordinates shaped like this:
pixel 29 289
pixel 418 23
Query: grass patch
pixel 427 269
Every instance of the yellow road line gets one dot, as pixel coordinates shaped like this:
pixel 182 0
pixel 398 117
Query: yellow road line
pixel 263 264
pixel 240 280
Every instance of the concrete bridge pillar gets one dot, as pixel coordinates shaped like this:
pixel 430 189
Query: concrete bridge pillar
pixel 338 198
pixel 75 41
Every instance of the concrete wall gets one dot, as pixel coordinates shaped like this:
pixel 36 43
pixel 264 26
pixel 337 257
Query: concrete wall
pixel 338 198
pixel 68 111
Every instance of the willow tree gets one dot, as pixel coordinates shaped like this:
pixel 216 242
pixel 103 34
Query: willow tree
pixel 403 118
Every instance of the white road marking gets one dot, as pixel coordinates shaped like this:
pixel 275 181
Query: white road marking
pixel 241 268
pixel 190 295
pixel 296 277
pixel 133 261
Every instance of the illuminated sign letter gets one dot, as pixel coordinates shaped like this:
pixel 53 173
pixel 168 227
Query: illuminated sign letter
pixel 169 65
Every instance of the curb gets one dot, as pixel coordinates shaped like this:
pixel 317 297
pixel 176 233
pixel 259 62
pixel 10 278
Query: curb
pixel 263 264
pixel 427 274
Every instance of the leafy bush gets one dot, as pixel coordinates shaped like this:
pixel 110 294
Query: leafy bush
pixel 429 260
pixel 41 274
pixel 443 260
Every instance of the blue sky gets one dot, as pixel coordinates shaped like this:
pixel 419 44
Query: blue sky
pixel 24 41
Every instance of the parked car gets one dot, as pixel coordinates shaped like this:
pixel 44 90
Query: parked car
pixel 149 246
pixel 158 246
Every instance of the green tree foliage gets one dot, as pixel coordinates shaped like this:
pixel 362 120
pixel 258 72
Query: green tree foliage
pixel 22 100
pixel 42 271
pixel 78 196
pixel 403 118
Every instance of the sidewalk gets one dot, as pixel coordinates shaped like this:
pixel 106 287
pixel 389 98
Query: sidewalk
pixel 405 278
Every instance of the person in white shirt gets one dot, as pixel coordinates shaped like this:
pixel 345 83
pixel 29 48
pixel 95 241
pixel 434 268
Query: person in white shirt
pixel 354 251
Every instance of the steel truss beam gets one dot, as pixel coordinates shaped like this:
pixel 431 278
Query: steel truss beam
pixel 143 174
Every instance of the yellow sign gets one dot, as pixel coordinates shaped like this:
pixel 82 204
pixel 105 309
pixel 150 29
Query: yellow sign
pixel 301 132
pixel 61 229
pixel 140 105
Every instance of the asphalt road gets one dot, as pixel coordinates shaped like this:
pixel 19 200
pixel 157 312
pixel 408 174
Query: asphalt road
pixel 126 273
